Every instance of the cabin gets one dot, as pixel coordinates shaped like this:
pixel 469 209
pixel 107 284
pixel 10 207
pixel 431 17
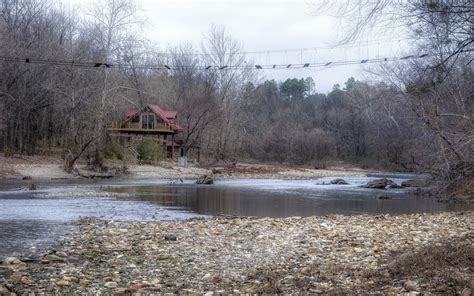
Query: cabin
pixel 149 123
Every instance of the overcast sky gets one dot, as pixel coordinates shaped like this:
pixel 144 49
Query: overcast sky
pixel 268 25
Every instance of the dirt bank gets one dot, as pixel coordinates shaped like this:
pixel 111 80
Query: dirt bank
pixel 40 167
pixel 425 253
pixel 37 167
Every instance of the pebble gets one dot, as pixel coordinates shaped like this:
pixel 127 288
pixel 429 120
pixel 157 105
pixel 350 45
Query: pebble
pixel 206 277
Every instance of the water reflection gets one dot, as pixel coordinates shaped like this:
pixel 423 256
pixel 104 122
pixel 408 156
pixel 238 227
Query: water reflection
pixel 216 200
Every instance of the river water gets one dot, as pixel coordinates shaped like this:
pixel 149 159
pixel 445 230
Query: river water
pixel 33 220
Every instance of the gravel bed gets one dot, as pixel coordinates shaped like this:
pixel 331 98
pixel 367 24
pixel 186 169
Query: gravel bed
pixel 327 254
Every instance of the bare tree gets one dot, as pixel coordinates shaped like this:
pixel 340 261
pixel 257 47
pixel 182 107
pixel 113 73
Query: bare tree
pixel 223 54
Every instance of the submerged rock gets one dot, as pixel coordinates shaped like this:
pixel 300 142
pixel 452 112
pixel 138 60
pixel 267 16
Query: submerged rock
pixel 379 184
pixel 339 182
pixel 414 183
pixel 206 179
pixel 383 196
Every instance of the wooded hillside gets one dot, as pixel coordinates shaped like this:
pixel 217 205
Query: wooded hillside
pixel 417 115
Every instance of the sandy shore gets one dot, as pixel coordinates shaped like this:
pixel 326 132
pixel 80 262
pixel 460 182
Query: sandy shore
pixel 38 167
pixel 419 253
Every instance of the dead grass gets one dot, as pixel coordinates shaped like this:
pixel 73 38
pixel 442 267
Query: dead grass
pixel 445 267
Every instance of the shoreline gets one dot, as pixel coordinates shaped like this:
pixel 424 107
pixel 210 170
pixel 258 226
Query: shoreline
pixel 50 168
pixel 320 254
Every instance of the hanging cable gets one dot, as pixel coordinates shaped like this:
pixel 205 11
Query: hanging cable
pixel 247 66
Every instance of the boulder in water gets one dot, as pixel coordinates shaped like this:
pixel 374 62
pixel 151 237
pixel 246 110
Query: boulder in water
pixel 339 182
pixel 379 184
pixel 206 179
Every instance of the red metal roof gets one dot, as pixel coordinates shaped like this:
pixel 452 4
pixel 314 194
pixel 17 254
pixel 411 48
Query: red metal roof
pixel 165 115
pixel 170 114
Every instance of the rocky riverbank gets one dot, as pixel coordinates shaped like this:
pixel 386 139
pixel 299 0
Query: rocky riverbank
pixel 426 253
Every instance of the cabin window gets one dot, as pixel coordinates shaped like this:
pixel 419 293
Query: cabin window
pixel 148 121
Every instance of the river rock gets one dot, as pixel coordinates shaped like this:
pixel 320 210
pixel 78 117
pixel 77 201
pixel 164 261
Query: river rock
pixel 11 261
pixel 206 179
pixel 111 285
pixel 339 182
pixel 383 196
pixel 170 237
pixel 379 184
pixel 414 183
pixel 216 171
pixel 52 258
pixel 4 291
pixel 61 254
pixel 6 271
pixel 63 283
pixel 411 286
pixel 206 277
pixel 32 187
pixel 136 287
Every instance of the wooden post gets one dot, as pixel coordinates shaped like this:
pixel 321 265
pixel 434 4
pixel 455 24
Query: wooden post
pixel 172 145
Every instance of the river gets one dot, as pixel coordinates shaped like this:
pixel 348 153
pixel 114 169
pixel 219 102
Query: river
pixel 33 220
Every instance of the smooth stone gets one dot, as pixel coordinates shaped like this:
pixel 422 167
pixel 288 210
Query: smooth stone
pixel 111 285
pixel 4 291
pixel 63 283
pixel 6 271
pixel 11 261
pixel 411 285
pixel 61 254
pixel 339 182
pixel 206 277
pixel 170 237
pixel 206 179
pixel 120 291
pixel 53 258
pixel 379 184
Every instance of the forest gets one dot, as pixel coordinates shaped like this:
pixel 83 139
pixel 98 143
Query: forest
pixel 65 77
